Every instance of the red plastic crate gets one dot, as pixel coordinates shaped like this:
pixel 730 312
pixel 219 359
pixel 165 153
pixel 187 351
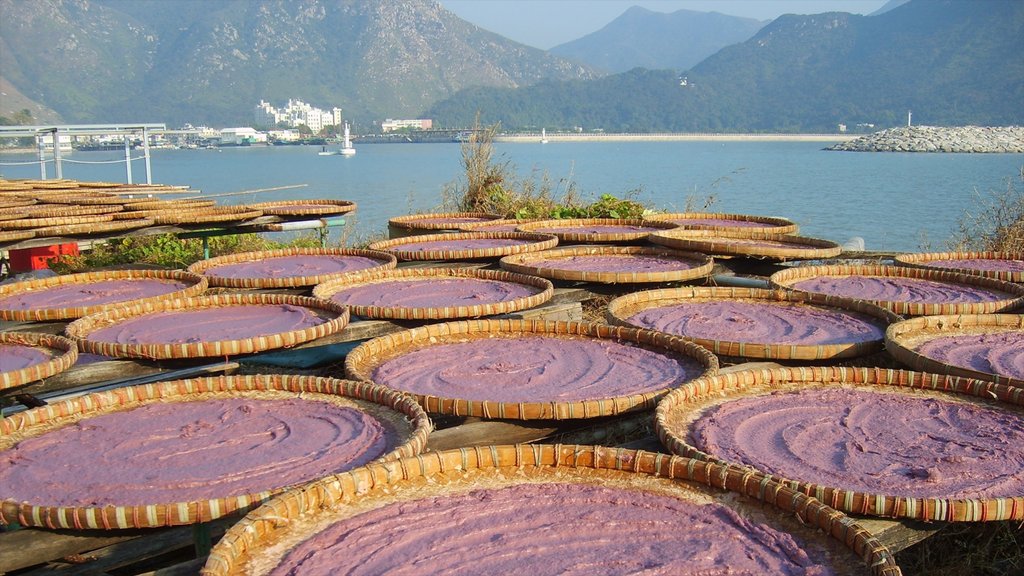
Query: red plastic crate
pixel 28 259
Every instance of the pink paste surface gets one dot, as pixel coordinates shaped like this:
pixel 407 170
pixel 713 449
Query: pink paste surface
pixel 535 369
pixel 91 293
pixel 986 264
pixel 208 324
pixel 555 528
pixel 721 223
pixel 445 220
pixel 460 245
pixel 186 451
pixel 293 266
pixel 15 357
pixel 879 443
pixel 999 353
pixel 761 322
pixel 596 229
pixel 898 289
pixel 497 227
pixel 616 263
pixel 435 292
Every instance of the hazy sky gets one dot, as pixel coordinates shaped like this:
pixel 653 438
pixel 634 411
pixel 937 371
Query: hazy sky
pixel 548 23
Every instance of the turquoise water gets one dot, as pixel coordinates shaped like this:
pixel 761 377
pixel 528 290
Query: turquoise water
pixel 894 201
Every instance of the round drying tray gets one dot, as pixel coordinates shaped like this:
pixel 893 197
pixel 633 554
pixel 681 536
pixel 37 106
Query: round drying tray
pixel 207 326
pixel 15 214
pixel 28 223
pixel 465 245
pixel 870 441
pixel 720 221
pixel 46 210
pixel 611 264
pixel 15 202
pixel 597 230
pixel 289 267
pixel 746 243
pixel 904 290
pixel 16 235
pixel 86 199
pixel 434 223
pixel 500 225
pixel 213 214
pixel 757 323
pixel 156 204
pixel 76 295
pixel 1008 266
pixel 93 228
pixel 196 449
pixel 435 293
pixel 530 370
pixel 545 509
pixel 28 357
pixel 985 346
pixel 305 207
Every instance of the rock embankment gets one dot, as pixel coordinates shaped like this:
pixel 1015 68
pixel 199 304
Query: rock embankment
pixel 979 139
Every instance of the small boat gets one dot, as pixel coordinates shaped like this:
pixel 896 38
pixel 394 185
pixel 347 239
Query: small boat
pixel 346 146
pixel 543 136
pixel 325 152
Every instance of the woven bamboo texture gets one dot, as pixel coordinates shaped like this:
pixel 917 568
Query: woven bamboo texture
pixel 438 221
pixel 208 215
pixel 93 228
pixel 79 330
pixel 498 466
pixel 677 405
pixel 57 221
pixel 16 202
pixel 643 229
pixel 156 515
pixel 924 260
pixel 747 243
pixel 533 243
pixel 787 278
pixel 161 204
pixel 544 291
pixel 359 365
pixel 16 235
pixel 622 308
pixel 386 261
pixel 44 210
pixel 6 215
pixel 88 199
pixel 545 264
pixel 499 225
pixel 63 353
pixel 305 207
pixel 904 339
pixel 770 224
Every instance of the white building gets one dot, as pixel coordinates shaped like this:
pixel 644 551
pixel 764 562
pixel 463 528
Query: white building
pixel 296 113
pixel 242 136
pixel 390 125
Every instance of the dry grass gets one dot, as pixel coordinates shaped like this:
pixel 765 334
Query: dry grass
pixel 997 222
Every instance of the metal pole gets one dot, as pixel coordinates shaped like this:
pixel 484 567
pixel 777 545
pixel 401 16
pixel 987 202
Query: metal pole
pixel 145 148
pixel 128 158
pixel 59 172
pixel 42 156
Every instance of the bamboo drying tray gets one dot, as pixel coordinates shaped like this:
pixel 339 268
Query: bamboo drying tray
pixel 156 204
pixel 768 224
pixel 63 354
pixel 643 228
pixel 61 211
pixel 6 215
pixel 85 199
pixel 543 292
pixel 787 278
pixel 386 261
pixel 212 214
pixel 904 339
pixel 545 264
pixel 680 407
pixel 534 243
pixel 740 242
pixel 621 309
pixel 434 223
pixel 28 223
pixel 257 543
pixel 16 235
pixel 500 225
pixel 396 411
pixel 15 201
pixel 925 260
pixel 197 284
pixel 305 207
pixel 361 361
pixel 336 319
pixel 93 228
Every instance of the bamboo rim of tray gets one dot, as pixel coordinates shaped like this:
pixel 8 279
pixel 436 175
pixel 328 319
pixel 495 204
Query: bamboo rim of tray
pixel 6 215
pixel 786 278
pixel 97 228
pixel 622 308
pixel 16 235
pixel 408 479
pixel 206 215
pixel 305 207
pixel 488 225
pixel 366 278
pixel 730 243
pixel 197 286
pixel 387 261
pixel 16 202
pixel 535 243
pixel 64 354
pixel 99 184
pixel 534 264
pixel 723 387
pixel 904 339
pixel 544 227
pixel 83 199
pixel 65 211
pixel 80 329
pixel 417 221
pixel 772 224
pixel 921 260
pixel 156 204
pixel 56 221
pixel 361 361
pixel 178 513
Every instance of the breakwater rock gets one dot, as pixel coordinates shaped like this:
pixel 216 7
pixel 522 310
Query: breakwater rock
pixel 980 139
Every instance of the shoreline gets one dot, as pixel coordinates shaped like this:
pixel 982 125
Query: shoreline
pixel 677 137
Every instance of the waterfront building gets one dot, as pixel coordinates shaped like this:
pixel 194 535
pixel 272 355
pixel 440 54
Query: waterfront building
pixel 390 125
pixel 296 113
pixel 242 136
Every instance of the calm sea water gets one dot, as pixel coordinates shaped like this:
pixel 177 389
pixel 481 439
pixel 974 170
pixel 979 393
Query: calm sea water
pixel 894 201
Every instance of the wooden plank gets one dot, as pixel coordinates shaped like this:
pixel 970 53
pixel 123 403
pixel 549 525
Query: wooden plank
pixel 35 546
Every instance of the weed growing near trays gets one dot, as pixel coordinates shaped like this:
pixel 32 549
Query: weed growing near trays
pixel 997 223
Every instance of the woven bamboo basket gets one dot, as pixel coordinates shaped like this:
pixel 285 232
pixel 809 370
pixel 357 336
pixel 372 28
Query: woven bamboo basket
pixel 195 285
pixel 257 544
pixel 360 363
pixel 16 235
pixel 388 280
pixel 86 199
pixel 1012 295
pixel 904 340
pixel 435 223
pixel 384 259
pixel 396 412
pixel 675 414
pixel 746 243
pixel 305 207
pixel 156 204
pixel 16 202
pixel 402 248
pixel 721 221
pixel 499 225
pixel 588 230
pixel 929 260
pixel 335 318
pixel 210 215
pixel 61 211
pixel 28 223
pixel 93 228
pixel 11 214
pixel 690 265
pixel 63 354
pixel 621 309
